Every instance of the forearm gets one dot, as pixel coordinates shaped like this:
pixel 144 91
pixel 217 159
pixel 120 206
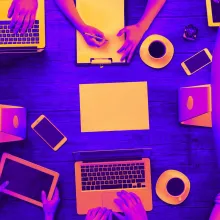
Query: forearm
pixel 152 9
pixel 215 215
pixel 49 215
pixel 215 82
pixel 69 9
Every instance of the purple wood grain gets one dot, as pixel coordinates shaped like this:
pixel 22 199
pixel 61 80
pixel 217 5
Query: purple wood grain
pixel 47 83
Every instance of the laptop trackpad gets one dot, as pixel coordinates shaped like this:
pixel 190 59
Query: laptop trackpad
pixel 108 201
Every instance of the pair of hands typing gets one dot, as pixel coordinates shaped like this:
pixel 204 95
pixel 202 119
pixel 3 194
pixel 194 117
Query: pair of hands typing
pixel 129 203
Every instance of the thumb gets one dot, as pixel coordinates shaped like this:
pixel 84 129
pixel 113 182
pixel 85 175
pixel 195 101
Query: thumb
pixel 56 195
pixel 119 216
pixel 3 186
pixel 11 9
pixel 110 216
pixel 122 31
pixel 43 197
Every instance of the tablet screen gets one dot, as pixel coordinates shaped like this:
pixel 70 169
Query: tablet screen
pixel 215 11
pixel 25 180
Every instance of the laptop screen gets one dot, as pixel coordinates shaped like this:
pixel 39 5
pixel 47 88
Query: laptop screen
pixel 112 155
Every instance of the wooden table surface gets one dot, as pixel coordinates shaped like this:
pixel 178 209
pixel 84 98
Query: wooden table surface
pixel 48 83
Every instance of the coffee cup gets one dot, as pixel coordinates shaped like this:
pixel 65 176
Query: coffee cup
pixel 175 187
pixel 157 49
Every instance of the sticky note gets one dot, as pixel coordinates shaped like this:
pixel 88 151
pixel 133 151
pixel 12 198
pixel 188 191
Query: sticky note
pixel 114 106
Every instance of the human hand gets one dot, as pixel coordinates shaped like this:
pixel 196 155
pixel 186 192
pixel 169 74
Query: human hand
pixel 131 205
pixel 91 41
pixel 215 214
pixel 50 207
pixel 23 13
pixel 99 214
pixel 3 186
pixel 217 199
pixel 134 34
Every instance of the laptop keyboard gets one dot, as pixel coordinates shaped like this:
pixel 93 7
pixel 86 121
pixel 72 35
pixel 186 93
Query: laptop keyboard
pixel 8 37
pixel 113 176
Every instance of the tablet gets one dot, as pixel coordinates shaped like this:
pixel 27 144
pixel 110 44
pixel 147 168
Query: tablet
pixel 213 12
pixel 27 180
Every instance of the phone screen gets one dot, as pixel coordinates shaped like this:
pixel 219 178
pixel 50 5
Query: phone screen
pixel 198 61
pixel 48 132
pixel 215 10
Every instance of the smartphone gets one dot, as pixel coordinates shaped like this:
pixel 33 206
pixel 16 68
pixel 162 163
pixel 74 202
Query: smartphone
pixel 197 62
pixel 48 132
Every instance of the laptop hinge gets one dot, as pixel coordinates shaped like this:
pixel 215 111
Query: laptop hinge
pixel 110 160
pixel 115 155
pixel 18 50
pixel 101 61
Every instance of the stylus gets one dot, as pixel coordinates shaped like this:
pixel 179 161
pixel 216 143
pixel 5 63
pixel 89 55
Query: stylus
pixel 94 36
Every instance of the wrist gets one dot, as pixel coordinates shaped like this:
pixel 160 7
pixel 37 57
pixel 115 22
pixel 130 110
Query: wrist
pixel 77 23
pixel 143 26
pixel 49 216
pixel 81 27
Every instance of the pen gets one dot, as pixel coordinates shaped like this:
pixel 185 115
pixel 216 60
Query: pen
pixel 94 36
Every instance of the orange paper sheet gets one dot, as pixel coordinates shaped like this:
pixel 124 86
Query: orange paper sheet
pixel 114 106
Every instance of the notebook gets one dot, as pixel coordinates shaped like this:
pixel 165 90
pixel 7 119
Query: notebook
pixel 114 106
pixel 108 17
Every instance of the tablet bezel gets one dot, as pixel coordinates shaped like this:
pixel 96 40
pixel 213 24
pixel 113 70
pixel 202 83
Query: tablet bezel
pixel 211 23
pixel 34 166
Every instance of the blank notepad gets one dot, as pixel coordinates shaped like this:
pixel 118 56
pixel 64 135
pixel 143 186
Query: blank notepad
pixel 114 106
pixel 108 17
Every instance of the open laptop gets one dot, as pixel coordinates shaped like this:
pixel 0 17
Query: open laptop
pixel 99 175
pixel 32 41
